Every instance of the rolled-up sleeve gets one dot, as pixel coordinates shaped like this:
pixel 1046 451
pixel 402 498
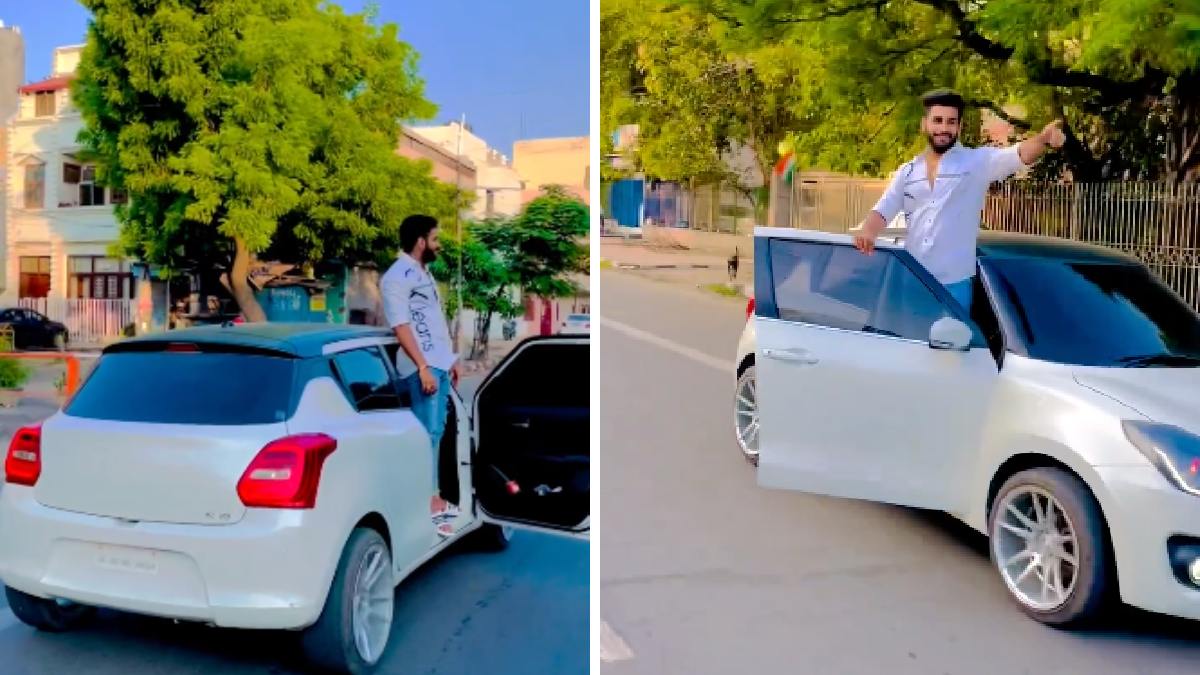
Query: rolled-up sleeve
pixel 893 198
pixel 1003 162
pixel 395 289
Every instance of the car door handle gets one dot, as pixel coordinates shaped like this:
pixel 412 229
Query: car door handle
pixel 802 356
pixel 521 425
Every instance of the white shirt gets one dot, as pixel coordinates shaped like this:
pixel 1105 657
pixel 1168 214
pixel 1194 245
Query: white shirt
pixel 943 222
pixel 410 296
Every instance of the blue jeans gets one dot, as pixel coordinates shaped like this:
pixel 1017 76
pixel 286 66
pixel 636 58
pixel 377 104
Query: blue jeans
pixel 431 409
pixel 962 291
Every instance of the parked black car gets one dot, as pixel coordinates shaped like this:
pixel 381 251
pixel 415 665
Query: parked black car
pixel 32 330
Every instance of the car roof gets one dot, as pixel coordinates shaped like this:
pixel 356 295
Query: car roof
pixel 304 340
pixel 990 244
pixel 1009 245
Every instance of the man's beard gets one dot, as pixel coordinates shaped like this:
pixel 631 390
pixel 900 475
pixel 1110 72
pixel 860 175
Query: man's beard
pixel 941 148
pixel 428 256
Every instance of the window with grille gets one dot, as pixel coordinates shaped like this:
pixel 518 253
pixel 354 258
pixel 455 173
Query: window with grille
pixel 35 186
pixel 84 178
pixel 34 276
pixel 99 278
pixel 44 104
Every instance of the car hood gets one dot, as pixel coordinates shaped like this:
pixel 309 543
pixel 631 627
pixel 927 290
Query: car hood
pixel 1167 395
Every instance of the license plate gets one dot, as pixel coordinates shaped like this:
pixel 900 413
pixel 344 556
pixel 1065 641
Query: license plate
pixel 127 560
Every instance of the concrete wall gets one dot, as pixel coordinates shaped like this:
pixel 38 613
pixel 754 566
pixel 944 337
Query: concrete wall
pixel 550 161
pixel 445 166
pixel 66 59
pixel 12 69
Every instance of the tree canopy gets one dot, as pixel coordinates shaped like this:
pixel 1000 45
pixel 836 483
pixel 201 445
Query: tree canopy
pixel 1123 74
pixel 536 253
pixel 244 127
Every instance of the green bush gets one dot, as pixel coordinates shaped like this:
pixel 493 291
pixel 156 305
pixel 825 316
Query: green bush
pixel 13 374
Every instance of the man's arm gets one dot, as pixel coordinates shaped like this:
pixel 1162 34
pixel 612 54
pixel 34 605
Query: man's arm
pixel 394 291
pixel 883 212
pixel 1031 149
pixel 1004 162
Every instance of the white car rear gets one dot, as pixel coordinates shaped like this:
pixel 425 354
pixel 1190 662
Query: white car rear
pixel 577 324
pixel 248 476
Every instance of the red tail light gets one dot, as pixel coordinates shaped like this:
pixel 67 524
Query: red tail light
pixel 749 308
pixel 23 464
pixel 285 474
pixel 183 347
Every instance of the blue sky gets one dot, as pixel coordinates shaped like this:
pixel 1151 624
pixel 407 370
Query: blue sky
pixel 517 68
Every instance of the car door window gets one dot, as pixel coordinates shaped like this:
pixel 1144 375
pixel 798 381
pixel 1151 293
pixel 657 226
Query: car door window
pixel 367 379
pixel 815 283
pixel 836 286
pixel 827 285
pixel 907 308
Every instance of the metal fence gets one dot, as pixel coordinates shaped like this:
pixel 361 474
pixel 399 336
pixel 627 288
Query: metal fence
pixel 1159 223
pixel 89 322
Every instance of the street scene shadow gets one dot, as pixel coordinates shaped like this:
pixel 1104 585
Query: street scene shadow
pixel 1123 623
pixel 442 623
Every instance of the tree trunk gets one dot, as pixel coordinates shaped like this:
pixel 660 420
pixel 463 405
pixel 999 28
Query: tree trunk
pixel 240 281
pixel 483 326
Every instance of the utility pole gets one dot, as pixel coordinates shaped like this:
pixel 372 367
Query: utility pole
pixel 458 230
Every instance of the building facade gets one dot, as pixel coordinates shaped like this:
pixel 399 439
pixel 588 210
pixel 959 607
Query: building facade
pixel 498 188
pixel 446 167
pixel 59 220
pixel 554 161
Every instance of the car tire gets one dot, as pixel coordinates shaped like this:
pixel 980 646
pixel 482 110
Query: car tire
pixel 330 643
pixel 1093 578
pixel 492 538
pixel 745 383
pixel 47 615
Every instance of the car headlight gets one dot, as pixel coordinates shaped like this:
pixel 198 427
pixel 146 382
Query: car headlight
pixel 1174 451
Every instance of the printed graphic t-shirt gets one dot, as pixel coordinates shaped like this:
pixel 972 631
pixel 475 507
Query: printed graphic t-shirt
pixel 410 297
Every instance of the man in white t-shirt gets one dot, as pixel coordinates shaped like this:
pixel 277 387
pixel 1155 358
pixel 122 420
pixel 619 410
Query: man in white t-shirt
pixel 426 359
pixel 941 193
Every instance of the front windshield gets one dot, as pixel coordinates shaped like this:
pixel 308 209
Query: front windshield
pixel 1095 313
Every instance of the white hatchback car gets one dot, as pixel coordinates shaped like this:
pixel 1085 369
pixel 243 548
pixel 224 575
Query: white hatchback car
pixel 273 476
pixel 1059 414
pixel 576 324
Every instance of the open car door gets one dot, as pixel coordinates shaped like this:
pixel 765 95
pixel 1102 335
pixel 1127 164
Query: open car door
pixel 531 422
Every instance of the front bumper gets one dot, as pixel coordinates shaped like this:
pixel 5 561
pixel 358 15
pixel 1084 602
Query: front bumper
pixel 267 571
pixel 1143 512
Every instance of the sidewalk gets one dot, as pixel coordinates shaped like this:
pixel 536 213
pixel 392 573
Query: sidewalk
pixel 696 269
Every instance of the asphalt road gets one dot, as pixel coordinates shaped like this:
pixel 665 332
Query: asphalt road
pixel 521 611
pixel 703 572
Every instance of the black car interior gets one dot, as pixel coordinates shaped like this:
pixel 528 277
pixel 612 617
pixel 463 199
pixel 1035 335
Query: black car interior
pixel 532 461
pixel 985 317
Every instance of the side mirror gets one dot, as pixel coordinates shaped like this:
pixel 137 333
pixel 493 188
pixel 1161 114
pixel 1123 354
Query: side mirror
pixel 950 334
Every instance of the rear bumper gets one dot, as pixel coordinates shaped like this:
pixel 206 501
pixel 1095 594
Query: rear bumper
pixel 267 571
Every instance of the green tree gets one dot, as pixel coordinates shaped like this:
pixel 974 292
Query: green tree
pixel 1122 73
pixel 487 285
pixel 697 104
pixel 535 253
pixel 243 127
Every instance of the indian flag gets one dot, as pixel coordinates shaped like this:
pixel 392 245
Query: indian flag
pixel 786 166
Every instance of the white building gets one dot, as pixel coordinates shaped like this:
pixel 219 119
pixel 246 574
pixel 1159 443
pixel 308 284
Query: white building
pixel 60 222
pixel 498 186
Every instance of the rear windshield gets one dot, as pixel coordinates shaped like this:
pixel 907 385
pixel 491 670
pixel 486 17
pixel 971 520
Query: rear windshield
pixel 213 388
